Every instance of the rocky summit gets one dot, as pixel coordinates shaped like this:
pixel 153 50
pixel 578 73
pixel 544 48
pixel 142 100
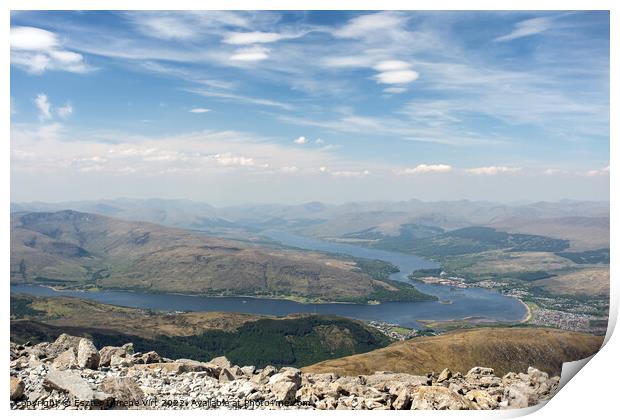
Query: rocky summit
pixel 71 373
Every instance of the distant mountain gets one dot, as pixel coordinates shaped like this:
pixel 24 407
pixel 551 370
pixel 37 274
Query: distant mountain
pixel 75 249
pixel 585 224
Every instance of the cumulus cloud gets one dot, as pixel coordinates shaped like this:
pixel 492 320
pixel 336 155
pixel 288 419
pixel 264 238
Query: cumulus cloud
pixel 527 27
pixel 36 50
pixel 65 111
pixel 44 107
pixel 228 159
pixel 350 174
pixel 493 170
pixel 250 54
pixel 48 148
pixel 598 172
pixel 344 173
pixel 426 169
pixel 47 111
pixel 289 169
pixel 554 171
pixel 199 110
pixel 300 140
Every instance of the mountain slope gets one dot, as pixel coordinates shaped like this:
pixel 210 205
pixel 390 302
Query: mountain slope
pixel 503 349
pixel 245 339
pixel 73 249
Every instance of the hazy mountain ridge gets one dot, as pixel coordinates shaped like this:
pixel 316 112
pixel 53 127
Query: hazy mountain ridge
pixel 585 224
pixel 70 248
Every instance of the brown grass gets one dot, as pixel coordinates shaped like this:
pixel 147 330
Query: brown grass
pixel 591 281
pixel 503 349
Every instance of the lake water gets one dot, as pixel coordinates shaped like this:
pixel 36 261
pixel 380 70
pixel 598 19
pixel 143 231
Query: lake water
pixel 473 302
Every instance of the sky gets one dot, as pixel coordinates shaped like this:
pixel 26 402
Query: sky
pixel 272 106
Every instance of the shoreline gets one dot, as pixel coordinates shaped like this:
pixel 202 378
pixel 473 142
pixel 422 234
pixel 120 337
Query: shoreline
pixel 528 315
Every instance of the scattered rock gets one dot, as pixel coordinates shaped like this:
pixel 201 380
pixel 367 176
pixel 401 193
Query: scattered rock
pixel 106 353
pixel 221 361
pixel 519 395
pixel 402 401
pixel 17 388
pixel 248 370
pixel 122 389
pixel 151 357
pixel 87 354
pixel 66 360
pixel 76 387
pixel 62 343
pixel 284 391
pixel 114 376
pixel 483 400
pixel 444 375
pixel 287 375
pixel 128 347
pixel 226 375
pixel 120 361
pixel 480 371
pixel 439 398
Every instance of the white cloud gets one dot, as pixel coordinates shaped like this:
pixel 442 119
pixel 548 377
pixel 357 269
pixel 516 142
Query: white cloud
pixel 184 25
pixel 228 159
pixel 289 169
pixel 349 174
pixel 344 173
pixel 397 77
pixel 554 171
pixel 300 140
pixel 27 38
pixel 240 98
pixel 65 111
pixel 598 172
pixel 425 169
pixel 48 148
pixel 395 72
pixel 250 54
pixel 319 141
pixel 493 170
pixel 44 107
pixel 365 25
pixel 392 65
pixel 240 38
pixel 199 110
pixel 527 27
pixel 347 61
pixel 36 50
pixel 166 27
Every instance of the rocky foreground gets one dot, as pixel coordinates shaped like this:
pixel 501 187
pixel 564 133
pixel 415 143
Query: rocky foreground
pixel 71 373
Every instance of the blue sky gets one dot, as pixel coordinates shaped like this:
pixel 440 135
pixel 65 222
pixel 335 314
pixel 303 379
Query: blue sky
pixel 232 107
